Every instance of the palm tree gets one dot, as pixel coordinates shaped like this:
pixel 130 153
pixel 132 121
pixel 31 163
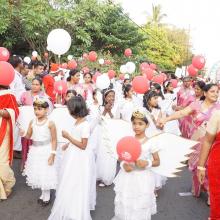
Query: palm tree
pixel 157 15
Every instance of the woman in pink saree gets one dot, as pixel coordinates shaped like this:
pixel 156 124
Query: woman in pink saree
pixel 200 112
pixel 186 97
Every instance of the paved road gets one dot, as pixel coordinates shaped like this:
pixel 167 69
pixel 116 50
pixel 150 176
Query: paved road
pixel 23 206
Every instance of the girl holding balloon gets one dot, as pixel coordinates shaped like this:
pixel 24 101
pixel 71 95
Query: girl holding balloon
pixel 135 182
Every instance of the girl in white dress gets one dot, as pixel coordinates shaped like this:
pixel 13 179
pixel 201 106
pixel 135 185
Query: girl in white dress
pixel 39 167
pixel 105 163
pixel 167 105
pixel 154 113
pixel 135 182
pixel 72 195
pixel 127 105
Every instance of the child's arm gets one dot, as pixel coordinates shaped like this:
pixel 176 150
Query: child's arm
pixel 142 164
pixel 29 131
pixel 80 144
pixel 53 133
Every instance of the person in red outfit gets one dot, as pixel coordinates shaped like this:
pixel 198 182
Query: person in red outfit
pixel 211 153
pixel 8 115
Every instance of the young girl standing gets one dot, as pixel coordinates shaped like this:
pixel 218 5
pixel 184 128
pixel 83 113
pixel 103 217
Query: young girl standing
pixel 72 195
pixel 39 167
pixel 135 182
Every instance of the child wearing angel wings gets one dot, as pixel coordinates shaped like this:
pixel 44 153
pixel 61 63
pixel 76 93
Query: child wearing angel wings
pixel 135 183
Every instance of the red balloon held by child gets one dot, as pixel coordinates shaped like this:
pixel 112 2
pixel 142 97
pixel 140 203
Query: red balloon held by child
pixel 128 149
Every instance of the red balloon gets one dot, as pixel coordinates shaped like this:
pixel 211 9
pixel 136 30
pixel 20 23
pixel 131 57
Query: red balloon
pixel 7 73
pixel 64 65
pixel 153 66
pixel 111 74
pixel 158 79
pixel 144 66
pixel 198 62
pixel 85 70
pixel 128 149
pixel 46 55
pixel 174 83
pixel 94 78
pixel 85 56
pixel 128 52
pixel 4 54
pixel 54 67
pixel 140 84
pixel 60 87
pixel 107 62
pixel 72 64
pixel 93 56
pixel 121 76
pixel 149 73
pixel 192 70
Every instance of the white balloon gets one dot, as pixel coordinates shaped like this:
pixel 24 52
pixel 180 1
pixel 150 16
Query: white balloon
pixel 123 69
pixel 130 66
pixel 101 61
pixel 48 48
pixel 34 54
pixel 127 76
pixel 27 60
pixel 59 41
pixel 102 82
pixel 69 57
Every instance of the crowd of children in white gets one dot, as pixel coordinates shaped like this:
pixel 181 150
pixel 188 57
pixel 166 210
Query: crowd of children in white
pixel 67 148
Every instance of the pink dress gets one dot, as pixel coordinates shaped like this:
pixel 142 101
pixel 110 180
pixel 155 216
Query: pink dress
pixel 77 87
pixel 184 98
pixel 197 132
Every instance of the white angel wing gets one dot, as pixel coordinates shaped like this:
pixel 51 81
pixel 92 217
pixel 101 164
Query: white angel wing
pixel 112 131
pixel 172 151
pixel 26 114
pixel 63 121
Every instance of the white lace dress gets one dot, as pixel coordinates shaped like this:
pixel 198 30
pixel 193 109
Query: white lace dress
pixel 39 173
pixel 135 198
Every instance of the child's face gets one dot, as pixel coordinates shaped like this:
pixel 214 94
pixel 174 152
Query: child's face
pixel 130 93
pixel 139 126
pixel 110 98
pixel 40 112
pixel 153 102
pixel 69 96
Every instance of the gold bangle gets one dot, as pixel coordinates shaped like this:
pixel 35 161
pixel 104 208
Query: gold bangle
pixel 201 168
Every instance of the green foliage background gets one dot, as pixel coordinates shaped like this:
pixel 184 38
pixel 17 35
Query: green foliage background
pixel 93 25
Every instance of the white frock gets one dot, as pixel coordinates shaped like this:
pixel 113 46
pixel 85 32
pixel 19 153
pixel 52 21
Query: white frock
pixel 105 163
pixel 39 173
pixel 72 196
pixel 166 106
pixel 135 198
pixel 151 131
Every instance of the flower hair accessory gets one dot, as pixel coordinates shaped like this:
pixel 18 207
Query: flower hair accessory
pixel 138 114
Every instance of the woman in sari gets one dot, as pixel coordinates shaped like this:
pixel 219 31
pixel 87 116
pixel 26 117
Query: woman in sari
pixel 8 114
pixel 200 112
pixel 73 82
pixel 211 151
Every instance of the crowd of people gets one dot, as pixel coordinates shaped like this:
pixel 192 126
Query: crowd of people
pixel 64 146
